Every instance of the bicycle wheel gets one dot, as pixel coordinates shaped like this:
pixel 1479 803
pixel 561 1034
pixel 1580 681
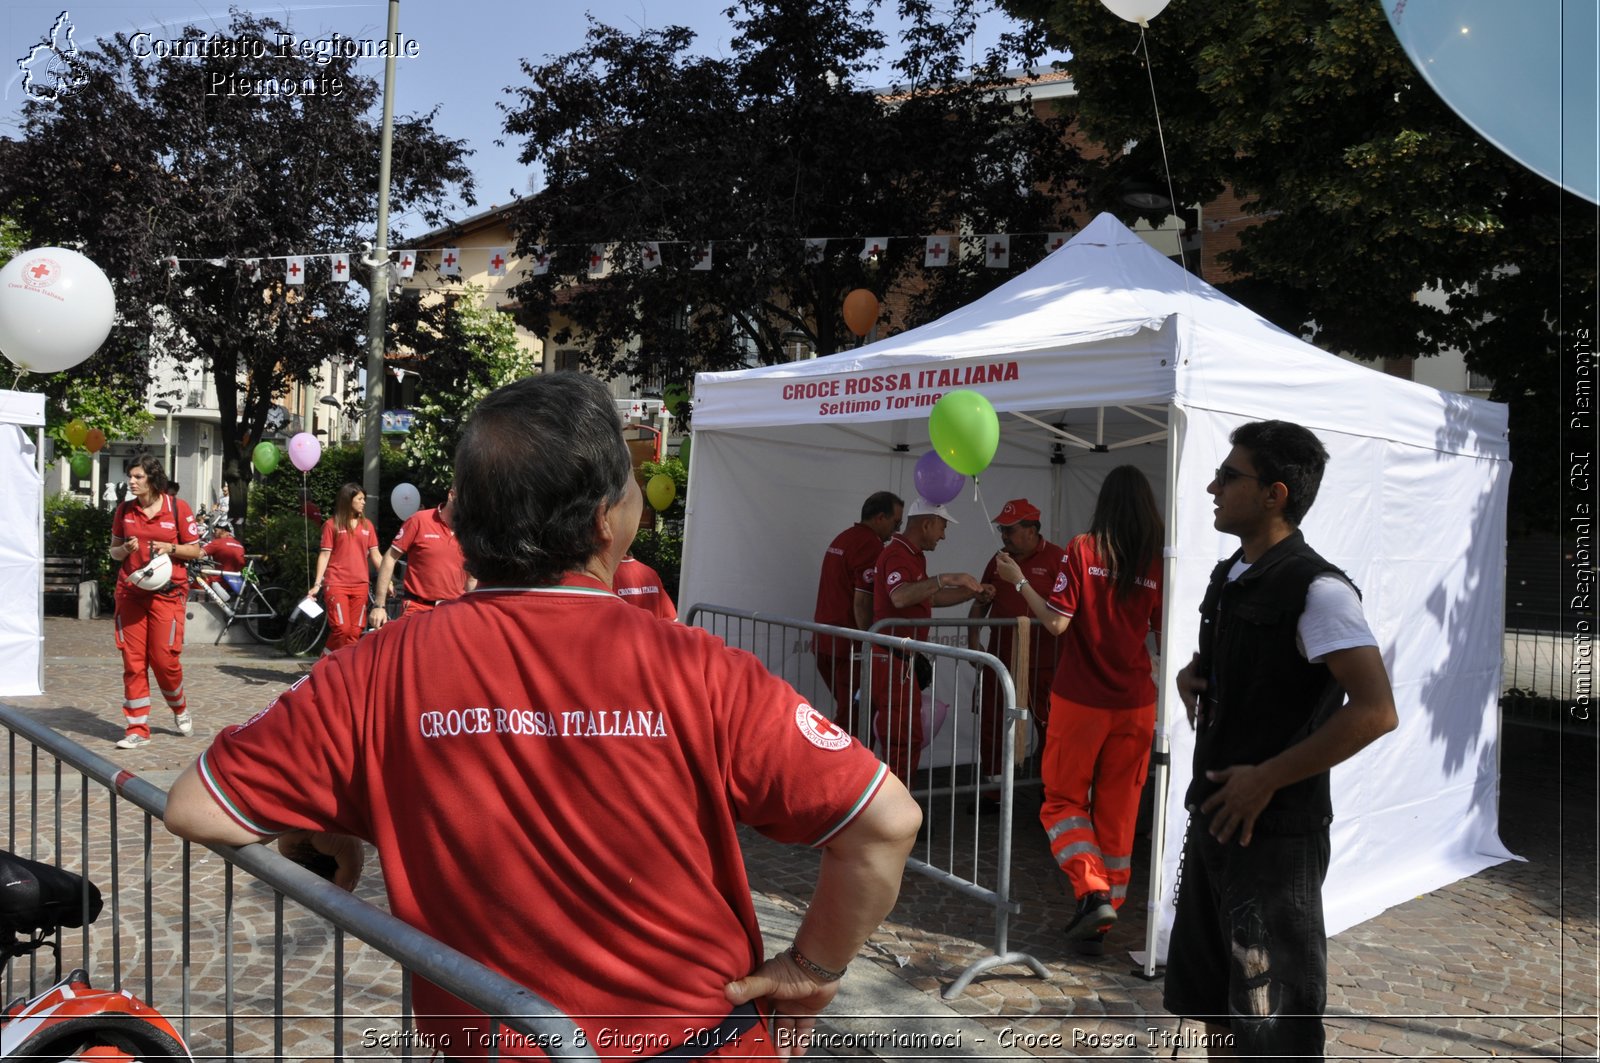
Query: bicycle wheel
pixel 265 611
pixel 304 636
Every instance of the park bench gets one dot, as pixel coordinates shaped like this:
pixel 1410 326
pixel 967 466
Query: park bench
pixel 67 577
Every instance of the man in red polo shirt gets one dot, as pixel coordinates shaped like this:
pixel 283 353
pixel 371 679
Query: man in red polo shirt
pixel 435 570
pixel 1040 561
pixel 554 780
pixel 901 587
pixel 844 597
pixel 638 584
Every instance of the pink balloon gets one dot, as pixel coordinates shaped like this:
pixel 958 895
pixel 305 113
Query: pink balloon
pixel 305 451
pixel 937 482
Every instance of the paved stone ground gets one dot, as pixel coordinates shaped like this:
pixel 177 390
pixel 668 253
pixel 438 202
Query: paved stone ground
pixel 1501 965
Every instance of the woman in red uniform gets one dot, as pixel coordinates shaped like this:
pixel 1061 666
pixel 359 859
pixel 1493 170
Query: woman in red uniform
pixel 1106 600
pixel 148 524
pixel 349 551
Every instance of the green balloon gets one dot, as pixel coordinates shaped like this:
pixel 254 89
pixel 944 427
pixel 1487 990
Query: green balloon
pixel 965 430
pixel 81 464
pixel 265 458
pixel 673 399
pixel 683 451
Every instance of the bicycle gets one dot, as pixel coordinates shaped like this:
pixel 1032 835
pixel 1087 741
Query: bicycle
pixel 71 1020
pixel 305 635
pixel 265 609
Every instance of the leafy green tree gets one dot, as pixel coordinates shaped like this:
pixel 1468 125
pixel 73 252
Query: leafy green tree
pixel 1370 190
pixel 189 158
pixel 473 353
pixel 641 140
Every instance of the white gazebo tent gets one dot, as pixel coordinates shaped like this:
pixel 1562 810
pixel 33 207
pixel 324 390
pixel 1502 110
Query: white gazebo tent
pixel 21 544
pixel 1104 354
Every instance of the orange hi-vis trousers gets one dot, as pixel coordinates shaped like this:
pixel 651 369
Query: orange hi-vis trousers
pixel 1095 762
pixel 150 636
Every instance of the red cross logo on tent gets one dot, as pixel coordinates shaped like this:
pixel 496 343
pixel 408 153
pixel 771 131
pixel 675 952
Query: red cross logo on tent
pixel 294 269
pixel 338 268
pixel 497 262
pixel 449 259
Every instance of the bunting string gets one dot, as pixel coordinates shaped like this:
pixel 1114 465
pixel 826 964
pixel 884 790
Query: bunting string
pixel 939 251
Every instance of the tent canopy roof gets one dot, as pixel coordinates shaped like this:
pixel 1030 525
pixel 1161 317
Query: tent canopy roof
pixel 1104 321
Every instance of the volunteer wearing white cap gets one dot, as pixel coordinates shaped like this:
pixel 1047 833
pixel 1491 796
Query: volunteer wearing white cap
pixel 152 535
pixel 901 587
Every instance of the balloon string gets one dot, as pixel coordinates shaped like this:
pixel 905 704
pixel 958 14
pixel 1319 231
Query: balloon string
pixel 977 496
pixel 305 523
pixel 1165 166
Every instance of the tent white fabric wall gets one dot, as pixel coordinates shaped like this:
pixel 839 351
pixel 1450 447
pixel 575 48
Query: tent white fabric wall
pixel 21 545
pixel 1137 361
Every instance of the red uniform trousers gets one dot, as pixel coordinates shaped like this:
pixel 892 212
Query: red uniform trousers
pixel 991 725
pixel 1095 761
pixel 413 606
pixel 896 713
pixel 841 674
pixel 347 613
pixel 150 636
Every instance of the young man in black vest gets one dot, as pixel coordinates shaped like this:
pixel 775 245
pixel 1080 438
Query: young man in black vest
pixel 1288 682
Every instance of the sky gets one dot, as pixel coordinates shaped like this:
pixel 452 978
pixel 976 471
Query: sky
pixel 466 51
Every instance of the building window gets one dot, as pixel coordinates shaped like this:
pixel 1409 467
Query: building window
pixel 1479 381
pixel 568 359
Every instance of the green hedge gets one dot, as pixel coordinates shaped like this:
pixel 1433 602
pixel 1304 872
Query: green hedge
pixel 278 496
pixel 73 528
pixel 288 548
pixel 663 552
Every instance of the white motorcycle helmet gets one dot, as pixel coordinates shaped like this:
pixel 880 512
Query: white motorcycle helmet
pixel 154 576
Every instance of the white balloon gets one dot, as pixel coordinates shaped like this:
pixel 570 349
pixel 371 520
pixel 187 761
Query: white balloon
pixel 1140 11
pixel 405 499
pixel 56 308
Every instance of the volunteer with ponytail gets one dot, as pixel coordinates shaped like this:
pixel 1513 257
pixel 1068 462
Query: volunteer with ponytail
pixel 349 552
pixel 153 534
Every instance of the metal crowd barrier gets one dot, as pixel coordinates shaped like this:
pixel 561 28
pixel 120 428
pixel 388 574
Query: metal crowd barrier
pixel 220 953
pixel 1547 681
pixel 954 850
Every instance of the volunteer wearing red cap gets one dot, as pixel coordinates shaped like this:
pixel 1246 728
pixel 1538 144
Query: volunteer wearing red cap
pixel 901 587
pixel 1040 561
pixel 844 597
pixel 1105 602
pixel 152 531
pixel 435 570
pixel 349 548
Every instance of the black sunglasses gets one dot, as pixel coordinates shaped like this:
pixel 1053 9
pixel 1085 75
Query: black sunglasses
pixel 1226 474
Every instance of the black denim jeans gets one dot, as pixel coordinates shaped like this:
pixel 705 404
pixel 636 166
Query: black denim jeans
pixel 1249 950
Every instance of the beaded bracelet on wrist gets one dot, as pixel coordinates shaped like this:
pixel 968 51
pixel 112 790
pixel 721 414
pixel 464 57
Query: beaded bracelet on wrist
pixel 815 970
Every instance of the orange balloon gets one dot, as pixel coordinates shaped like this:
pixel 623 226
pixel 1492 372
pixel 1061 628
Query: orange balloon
pixel 93 440
pixel 860 311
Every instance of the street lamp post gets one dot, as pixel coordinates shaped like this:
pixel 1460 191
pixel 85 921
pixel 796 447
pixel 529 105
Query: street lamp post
pixel 170 407
pixel 335 430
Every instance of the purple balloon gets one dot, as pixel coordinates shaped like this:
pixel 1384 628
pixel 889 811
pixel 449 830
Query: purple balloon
pixel 937 482
pixel 305 451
